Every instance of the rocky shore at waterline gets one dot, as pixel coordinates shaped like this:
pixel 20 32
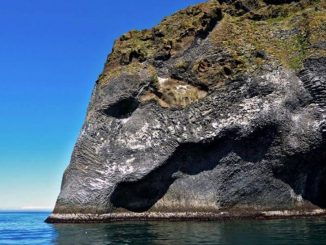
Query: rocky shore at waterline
pixel 183 216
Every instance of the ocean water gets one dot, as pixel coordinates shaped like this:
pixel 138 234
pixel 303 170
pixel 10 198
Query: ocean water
pixel 29 228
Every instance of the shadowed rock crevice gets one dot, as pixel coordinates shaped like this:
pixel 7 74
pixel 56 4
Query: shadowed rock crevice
pixel 209 24
pixel 122 109
pixel 314 81
pixel 190 159
pixel 316 186
pixel 310 184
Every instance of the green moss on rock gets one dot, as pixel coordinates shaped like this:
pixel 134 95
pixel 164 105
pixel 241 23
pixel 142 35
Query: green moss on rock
pixel 288 33
pixel 249 34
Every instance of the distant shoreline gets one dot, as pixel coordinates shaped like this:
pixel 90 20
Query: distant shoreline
pixel 25 211
pixel 183 216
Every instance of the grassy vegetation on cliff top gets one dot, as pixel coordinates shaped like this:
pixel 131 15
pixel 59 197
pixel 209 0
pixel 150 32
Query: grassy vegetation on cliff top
pixel 251 33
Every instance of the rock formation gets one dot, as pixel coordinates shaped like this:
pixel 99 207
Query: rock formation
pixel 218 111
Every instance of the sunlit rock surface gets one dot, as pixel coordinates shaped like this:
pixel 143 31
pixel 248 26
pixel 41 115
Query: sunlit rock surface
pixel 219 110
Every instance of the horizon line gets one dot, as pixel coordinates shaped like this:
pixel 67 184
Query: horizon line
pixel 27 209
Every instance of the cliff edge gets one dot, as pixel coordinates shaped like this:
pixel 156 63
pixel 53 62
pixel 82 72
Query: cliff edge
pixel 217 112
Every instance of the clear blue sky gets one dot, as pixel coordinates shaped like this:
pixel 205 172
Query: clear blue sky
pixel 51 52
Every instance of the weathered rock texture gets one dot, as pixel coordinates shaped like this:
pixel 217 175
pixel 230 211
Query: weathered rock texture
pixel 219 108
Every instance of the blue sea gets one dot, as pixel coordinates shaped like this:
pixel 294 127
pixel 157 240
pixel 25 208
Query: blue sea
pixel 28 228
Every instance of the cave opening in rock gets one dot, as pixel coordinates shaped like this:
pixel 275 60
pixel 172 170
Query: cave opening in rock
pixel 189 159
pixel 315 189
pixel 322 190
pixel 123 108
pixel 306 174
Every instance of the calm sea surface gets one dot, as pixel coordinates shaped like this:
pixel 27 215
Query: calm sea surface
pixel 29 228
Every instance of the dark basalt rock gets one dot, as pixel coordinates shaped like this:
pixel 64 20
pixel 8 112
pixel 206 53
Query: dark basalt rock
pixel 225 118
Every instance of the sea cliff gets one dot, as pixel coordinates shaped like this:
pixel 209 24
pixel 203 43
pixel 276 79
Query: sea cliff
pixel 217 112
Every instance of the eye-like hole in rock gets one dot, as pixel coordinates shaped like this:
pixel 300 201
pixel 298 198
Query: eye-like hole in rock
pixel 123 108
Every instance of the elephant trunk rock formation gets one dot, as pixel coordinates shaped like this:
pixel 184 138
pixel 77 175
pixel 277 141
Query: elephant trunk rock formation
pixel 217 112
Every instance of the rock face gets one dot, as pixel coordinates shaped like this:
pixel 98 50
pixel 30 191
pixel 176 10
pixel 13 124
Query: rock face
pixel 219 108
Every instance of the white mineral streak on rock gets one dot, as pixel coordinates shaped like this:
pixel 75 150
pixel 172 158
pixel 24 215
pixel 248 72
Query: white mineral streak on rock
pixel 162 80
pixel 171 129
pixel 131 160
pixel 296 197
pixel 125 170
pixel 182 89
pixel 82 133
pixel 139 140
pixel 125 120
pixel 103 180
